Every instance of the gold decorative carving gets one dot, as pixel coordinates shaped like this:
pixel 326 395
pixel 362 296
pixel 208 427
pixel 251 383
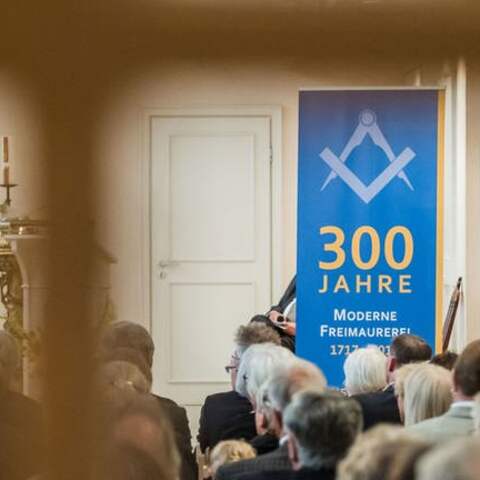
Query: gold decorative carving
pixel 11 296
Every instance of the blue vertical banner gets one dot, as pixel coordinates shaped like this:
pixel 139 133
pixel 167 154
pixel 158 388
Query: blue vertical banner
pixel 369 263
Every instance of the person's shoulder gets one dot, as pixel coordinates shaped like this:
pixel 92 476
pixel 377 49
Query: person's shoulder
pixel 170 407
pixel 231 395
pixel 425 425
pixel 276 460
pixel 374 397
pixel 266 475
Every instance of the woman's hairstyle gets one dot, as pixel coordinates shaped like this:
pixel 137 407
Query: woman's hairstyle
pixel 365 370
pixel 428 393
pixel 229 451
pixel 255 366
pixel 400 375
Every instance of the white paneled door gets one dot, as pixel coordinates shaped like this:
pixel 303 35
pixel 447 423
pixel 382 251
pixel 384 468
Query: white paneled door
pixel 210 246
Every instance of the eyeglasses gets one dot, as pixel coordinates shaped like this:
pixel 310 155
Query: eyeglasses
pixel 230 368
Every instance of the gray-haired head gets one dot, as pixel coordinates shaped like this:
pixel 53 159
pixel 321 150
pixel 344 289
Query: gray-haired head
pixel 128 335
pixel 255 333
pixel 322 427
pixel 365 370
pixel 9 359
pixel 286 380
pixel 457 460
pixel 255 366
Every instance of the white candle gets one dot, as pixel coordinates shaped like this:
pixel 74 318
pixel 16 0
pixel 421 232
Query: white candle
pixel 5 149
pixel 6 174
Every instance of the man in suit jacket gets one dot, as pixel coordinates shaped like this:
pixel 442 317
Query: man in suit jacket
pixel 320 428
pixel 225 415
pixel 288 296
pixel 458 420
pixel 282 384
pixel 285 306
pixel 228 415
pixel 116 343
pixel 381 407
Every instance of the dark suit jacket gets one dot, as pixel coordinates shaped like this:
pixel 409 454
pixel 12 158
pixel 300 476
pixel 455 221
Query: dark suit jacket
pixel 22 441
pixel 378 407
pixel 273 461
pixel 225 415
pixel 265 443
pixel 302 474
pixel 178 418
pixel 289 294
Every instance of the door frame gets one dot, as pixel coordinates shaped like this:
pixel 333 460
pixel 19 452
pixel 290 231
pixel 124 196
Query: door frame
pixel 274 113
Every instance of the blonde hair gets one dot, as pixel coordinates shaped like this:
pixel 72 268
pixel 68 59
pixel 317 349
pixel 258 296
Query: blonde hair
pixel 400 375
pixel 229 451
pixel 428 393
pixel 365 370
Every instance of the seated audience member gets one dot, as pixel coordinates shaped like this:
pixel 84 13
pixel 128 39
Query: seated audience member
pixel 21 422
pixel 228 415
pixel 283 381
pixel 255 367
pixel 385 452
pixel 378 407
pixel 458 420
pixel 229 451
pixel 266 439
pixel 427 393
pixel 365 371
pixel 456 460
pixel 320 428
pixel 128 335
pixel 399 386
pixel 445 359
pixel 138 443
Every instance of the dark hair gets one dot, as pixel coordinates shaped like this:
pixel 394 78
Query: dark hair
pixel 408 348
pixel 446 359
pixel 466 373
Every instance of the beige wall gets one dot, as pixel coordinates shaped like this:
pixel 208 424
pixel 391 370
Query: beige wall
pixel 473 198
pixel 20 120
pixel 121 205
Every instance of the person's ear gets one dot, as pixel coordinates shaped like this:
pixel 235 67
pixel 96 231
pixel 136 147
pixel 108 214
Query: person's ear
pixel 278 421
pixel 391 364
pixel 293 452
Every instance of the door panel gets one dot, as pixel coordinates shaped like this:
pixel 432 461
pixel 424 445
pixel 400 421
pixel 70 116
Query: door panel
pixel 210 246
